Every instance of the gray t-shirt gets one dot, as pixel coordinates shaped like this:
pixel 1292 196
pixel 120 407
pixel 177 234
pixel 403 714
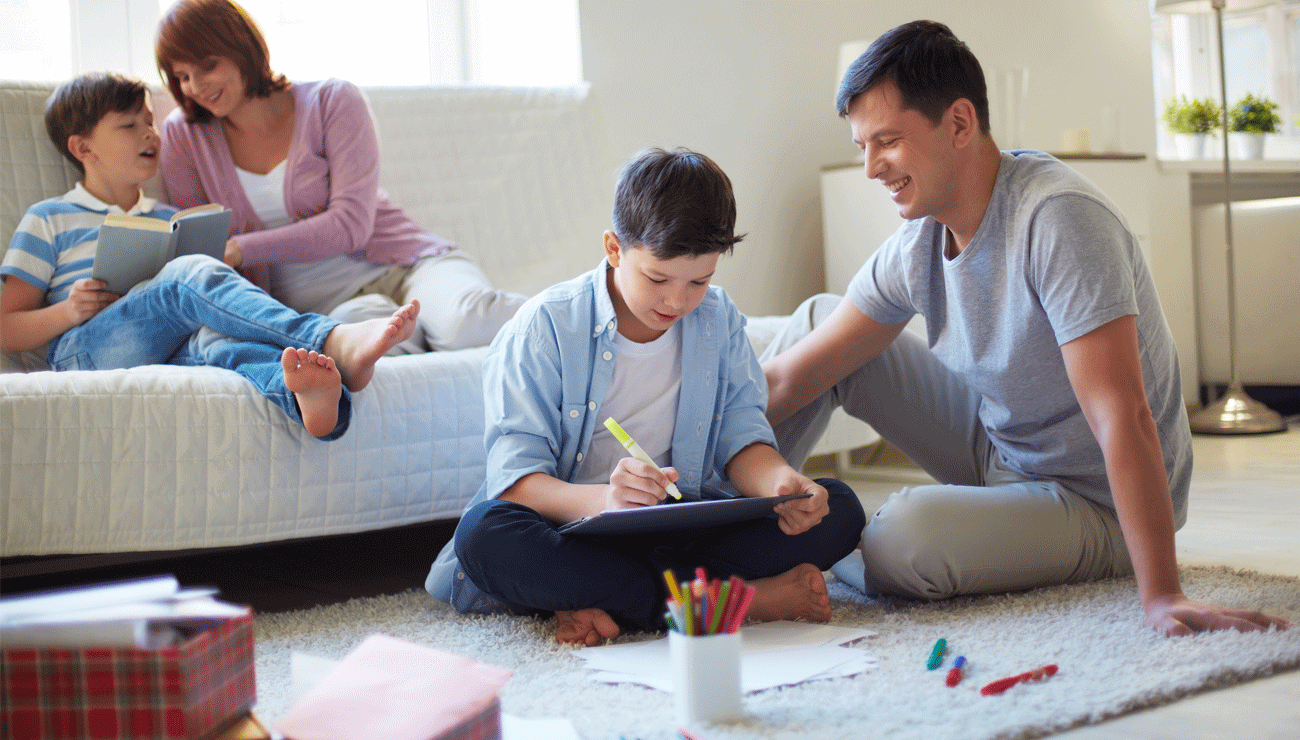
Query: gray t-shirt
pixel 1052 260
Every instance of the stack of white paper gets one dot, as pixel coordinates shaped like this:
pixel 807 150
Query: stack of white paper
pixel 773 654
pixel 144 613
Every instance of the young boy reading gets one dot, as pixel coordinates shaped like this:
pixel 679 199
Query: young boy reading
pixel 643 339
pixel 196 311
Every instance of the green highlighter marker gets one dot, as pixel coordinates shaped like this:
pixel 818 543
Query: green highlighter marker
pixel 635 450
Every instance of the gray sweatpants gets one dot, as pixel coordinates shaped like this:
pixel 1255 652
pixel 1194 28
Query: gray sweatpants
pixel 982 528
pixel 459 308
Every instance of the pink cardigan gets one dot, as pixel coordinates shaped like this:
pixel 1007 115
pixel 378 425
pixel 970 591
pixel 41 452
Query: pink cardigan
pixel 331 185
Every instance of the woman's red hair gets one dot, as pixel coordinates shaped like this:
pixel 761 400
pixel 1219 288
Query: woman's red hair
pixel 193 31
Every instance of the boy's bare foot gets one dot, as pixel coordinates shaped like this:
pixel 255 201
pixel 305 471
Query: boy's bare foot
pixel 315 382
pixel 585 627
pixel 357 347
pixel 798 592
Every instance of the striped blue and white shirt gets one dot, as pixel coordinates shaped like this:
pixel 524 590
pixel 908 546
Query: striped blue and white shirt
pixel 54 245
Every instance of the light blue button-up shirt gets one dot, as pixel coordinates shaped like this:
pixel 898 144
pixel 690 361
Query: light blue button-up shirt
pixel 545 379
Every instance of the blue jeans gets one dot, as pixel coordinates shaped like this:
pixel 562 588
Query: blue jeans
pixel 518 556
pixel 198 311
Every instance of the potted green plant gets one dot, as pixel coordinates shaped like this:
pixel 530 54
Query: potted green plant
pixel 1191 121
pixel 1248 120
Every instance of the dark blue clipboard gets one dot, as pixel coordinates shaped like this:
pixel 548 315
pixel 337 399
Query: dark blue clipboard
pixel 671 517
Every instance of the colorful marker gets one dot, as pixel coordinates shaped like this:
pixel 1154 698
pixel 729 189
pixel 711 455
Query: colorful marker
pixel 673 590
pixel 1002 684
pixel 720 604
pixel 954 675
pixel 635 450
pixel 936 655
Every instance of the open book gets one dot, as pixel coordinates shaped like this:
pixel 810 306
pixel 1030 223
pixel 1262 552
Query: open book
pixel 133 249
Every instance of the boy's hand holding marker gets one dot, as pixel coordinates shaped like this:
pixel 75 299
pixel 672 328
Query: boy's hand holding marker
pixel 637 480
pixel 635 483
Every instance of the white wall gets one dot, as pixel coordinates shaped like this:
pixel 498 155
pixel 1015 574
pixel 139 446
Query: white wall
pixel 751 83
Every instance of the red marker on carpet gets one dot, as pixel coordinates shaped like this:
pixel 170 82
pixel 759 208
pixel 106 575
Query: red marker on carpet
pixel 997 687
pixel 954 674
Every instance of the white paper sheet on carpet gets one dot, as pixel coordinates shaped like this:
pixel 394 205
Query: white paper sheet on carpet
pixel 774 654
pixel 546 728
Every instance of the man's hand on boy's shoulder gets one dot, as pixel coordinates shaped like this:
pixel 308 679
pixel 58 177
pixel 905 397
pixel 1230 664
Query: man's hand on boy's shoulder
pixel 800 515
pixel 86 299
pixel 635 483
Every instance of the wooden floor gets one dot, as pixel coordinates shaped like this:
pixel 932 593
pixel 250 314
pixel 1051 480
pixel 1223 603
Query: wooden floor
pixel 1245 512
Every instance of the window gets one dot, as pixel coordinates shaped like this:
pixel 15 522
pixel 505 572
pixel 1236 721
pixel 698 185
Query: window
pixel 383 42
pixel 34 43
pixel 1261 56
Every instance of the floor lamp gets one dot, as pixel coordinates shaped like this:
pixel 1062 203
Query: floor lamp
pixel 1234 412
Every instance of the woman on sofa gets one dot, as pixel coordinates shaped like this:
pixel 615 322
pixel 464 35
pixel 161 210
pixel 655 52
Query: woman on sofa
pixel 298 164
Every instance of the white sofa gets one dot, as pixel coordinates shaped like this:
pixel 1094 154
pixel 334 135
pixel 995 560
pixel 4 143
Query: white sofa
pixel 159 458
pixel 164 458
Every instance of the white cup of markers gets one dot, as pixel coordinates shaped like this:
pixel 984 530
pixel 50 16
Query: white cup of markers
pixel 704 619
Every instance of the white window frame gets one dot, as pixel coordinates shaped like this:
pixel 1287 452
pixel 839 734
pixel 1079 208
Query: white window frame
pixel 1185 62
pixel 119 35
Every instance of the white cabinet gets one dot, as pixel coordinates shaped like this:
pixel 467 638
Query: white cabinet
pixel 855 218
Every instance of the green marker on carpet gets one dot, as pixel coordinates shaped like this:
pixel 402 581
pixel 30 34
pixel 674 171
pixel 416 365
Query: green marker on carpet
pixel 936 655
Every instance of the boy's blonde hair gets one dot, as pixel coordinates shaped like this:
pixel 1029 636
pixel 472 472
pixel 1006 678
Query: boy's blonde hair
pixel 79 104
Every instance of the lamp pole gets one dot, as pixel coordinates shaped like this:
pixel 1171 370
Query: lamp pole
pixel 1234 412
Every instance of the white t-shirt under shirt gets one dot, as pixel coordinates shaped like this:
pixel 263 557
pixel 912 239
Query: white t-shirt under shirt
pixel 642 397
pixel 318 286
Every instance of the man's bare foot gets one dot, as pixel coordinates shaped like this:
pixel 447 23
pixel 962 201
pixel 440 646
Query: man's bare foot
pixel 798 592
pixel 357 347
pixel 315 382
pixel 585 627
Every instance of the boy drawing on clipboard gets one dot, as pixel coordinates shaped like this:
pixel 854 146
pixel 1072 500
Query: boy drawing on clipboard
pixel 644 339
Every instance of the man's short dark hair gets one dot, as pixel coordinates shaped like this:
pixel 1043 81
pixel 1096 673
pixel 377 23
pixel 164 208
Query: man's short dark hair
pixel 674 203
pixel 930 66
pixel 79 104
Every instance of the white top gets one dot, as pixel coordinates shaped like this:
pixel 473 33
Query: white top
pixel 318 286
pixel 642 397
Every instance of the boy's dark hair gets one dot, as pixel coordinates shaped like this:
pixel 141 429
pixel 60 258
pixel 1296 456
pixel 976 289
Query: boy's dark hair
pixel 79 104
pixel 195 31
pixel 674 203
pixel 930 66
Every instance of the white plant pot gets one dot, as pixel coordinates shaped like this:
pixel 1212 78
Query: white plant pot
pixel 1191 146
pixel 1247 146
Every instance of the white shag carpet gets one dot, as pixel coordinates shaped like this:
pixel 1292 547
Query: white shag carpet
pixel 1109 663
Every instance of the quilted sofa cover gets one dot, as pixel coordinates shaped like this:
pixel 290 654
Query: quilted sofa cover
pixel 167 458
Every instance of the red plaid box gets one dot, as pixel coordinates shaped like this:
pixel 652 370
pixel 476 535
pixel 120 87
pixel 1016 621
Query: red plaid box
pixel 181 693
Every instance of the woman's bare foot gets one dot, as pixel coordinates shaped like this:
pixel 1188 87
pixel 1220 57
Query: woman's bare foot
pixel 585 627
pixel 798 592
pixel 357 347
pixel 315 382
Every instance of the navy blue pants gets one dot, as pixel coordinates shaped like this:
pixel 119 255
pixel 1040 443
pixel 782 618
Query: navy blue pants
pixel 518 556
